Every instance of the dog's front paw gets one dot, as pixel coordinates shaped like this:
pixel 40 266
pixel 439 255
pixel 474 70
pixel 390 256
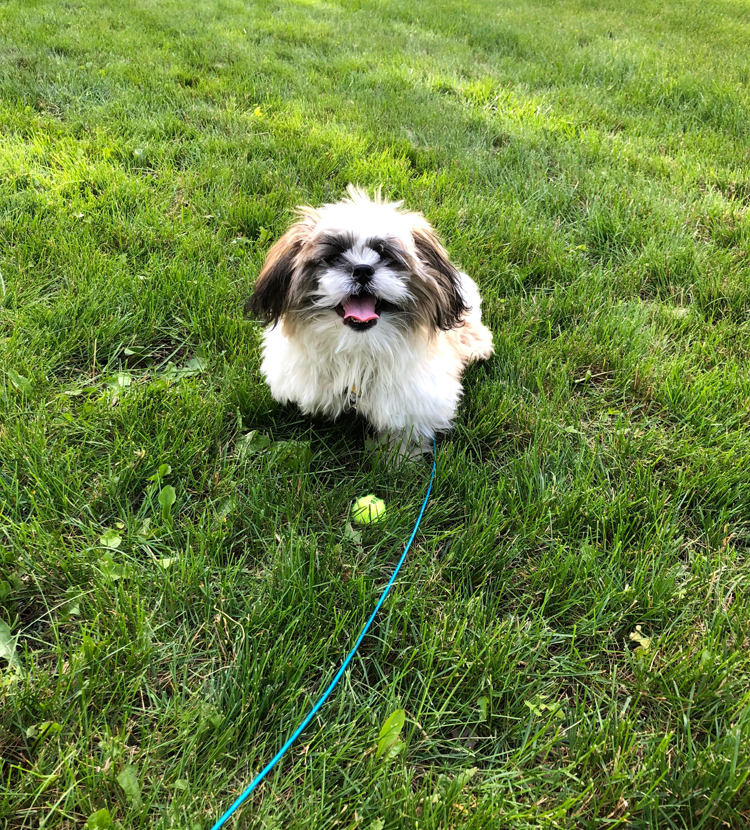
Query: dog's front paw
pixel 400 445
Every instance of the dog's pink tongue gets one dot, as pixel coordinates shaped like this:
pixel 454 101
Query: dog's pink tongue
pixel 360 308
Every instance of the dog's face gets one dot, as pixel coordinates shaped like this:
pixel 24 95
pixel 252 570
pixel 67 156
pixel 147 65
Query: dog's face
pixel 357 264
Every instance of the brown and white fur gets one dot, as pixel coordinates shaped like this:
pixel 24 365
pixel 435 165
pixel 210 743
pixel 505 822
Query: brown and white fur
pixel 367 311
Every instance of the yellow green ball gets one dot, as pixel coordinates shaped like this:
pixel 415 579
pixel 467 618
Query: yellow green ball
pixel 367 510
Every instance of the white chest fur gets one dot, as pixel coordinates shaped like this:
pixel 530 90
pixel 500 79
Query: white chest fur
pixel 397 381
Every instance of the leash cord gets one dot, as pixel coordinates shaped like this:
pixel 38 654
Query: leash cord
pixel 278 756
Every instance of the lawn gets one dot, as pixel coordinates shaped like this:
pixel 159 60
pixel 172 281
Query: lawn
pixel 569 638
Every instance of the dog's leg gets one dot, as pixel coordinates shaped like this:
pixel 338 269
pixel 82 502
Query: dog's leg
pixel 403 444
pixel 472 339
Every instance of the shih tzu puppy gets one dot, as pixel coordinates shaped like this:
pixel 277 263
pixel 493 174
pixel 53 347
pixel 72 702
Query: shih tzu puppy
pixel 367 312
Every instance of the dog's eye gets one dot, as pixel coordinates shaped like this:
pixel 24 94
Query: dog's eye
pixel 386 252
pixel 379 249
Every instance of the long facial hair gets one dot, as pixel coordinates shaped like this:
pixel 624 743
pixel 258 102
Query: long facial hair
pixel 366 262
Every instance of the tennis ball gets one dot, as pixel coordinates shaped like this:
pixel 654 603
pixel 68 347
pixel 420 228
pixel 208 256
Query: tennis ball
pixel 368 509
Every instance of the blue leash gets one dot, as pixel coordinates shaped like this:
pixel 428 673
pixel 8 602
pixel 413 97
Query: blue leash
pixel 278 756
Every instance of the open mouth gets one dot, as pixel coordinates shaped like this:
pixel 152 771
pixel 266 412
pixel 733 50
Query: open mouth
pixel 362 311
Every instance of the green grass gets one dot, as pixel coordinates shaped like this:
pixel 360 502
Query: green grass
pixel 587 162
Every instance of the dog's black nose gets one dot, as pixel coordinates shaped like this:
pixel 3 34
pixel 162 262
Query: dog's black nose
pixel 363 273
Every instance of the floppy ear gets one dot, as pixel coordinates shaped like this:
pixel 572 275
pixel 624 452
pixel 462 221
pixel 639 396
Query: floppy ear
pixel 448 306
pixel 269 298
